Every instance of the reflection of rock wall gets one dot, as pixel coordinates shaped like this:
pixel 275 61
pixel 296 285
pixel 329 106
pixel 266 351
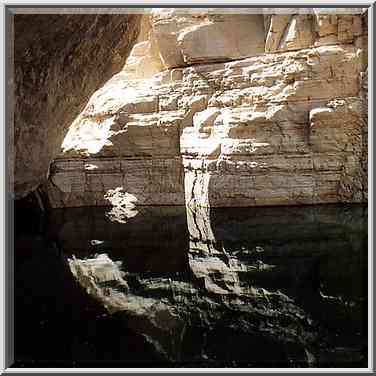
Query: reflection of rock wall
pixel 250 126
pixel 276 242
pixel 271 277
pixel 138 244
pixel 169 312
pixel 315 255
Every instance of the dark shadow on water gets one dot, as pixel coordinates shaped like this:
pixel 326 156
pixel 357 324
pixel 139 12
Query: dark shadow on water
pixel 251 287
pixel 320 258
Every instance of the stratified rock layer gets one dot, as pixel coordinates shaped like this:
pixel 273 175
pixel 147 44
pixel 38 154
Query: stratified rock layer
pixel 281 125
pixel 59 61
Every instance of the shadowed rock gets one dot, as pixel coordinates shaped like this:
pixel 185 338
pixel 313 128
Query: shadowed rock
pixel 59 61
pixel 248 287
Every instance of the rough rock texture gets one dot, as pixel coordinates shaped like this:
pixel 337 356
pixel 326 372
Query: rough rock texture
pixel 203 37
pixel 59 61
pixel 282 127
pixel 241 287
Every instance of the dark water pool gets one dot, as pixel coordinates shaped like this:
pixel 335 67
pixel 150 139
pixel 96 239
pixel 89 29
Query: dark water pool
pixel 180 287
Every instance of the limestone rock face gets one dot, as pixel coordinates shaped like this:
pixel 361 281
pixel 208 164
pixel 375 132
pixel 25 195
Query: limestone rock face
pixel 321 27
pixel 59 61
pixel 289 32
pixel 283 127
pixel 203 37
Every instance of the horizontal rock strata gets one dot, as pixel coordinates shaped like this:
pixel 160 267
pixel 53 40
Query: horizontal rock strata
pixel 283 125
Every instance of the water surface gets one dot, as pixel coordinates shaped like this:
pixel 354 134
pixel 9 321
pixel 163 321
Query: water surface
pixel 184 287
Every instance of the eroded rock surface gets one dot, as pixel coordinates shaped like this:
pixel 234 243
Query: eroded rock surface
pixel 281 125
pixel 59 61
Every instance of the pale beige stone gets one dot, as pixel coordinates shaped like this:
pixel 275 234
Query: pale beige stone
pixel 142 62
pixel 232 37
pixel 185 39
pixel 289 32
pixel 204 120
pixel 326 24
pixel 298 33
pixel 281 128
pixel 276 27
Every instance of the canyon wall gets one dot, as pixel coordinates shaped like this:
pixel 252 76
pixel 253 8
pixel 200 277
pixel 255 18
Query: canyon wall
pixel 227 110
pixel 59 60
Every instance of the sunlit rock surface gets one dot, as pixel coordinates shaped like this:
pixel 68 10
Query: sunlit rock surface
pixel 204 37
pixel 222 125
pixel 59 61
pixel 228 287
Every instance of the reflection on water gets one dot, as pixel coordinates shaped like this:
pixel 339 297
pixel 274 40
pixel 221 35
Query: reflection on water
pixel 123 205
pixel 173 287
